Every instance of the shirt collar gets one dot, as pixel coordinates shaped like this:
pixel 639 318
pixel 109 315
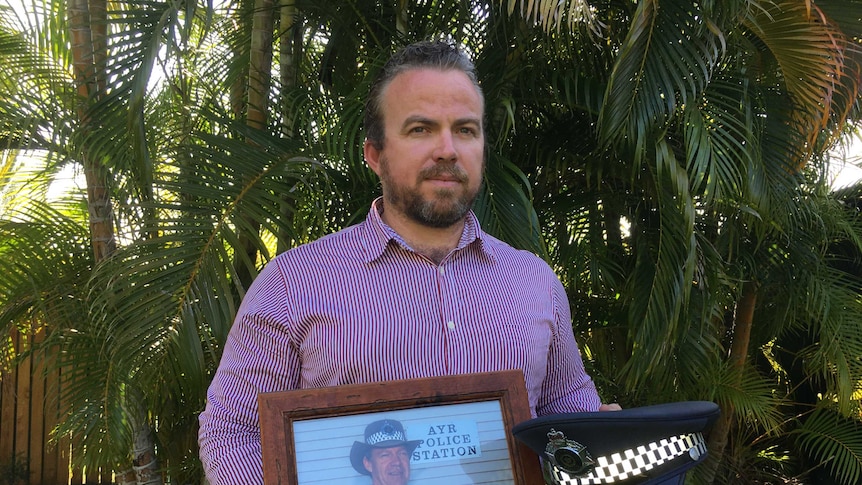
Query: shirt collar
pixel 378 234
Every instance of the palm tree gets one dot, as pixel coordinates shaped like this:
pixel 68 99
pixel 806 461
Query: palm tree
pixel 663 155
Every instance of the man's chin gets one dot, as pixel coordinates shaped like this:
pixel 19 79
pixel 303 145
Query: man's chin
pixel 438 222
pixel 440 213
pixel 441 208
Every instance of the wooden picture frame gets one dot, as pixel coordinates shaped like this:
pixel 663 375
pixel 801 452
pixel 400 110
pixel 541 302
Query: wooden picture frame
pixel 462 423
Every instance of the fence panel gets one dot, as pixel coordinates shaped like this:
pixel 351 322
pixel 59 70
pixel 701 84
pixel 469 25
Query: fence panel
pixel 29 410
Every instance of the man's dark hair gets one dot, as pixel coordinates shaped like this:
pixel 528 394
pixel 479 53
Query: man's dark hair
pixel 426 54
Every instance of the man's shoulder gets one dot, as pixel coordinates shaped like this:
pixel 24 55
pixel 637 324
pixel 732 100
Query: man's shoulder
pixel 509 255
pixel 504 249
pixel 346 242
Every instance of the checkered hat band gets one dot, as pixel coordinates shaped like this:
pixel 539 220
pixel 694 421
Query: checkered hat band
pixel 382 436
pixel 635 461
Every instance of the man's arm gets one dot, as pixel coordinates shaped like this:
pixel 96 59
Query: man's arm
pixel 258 357
pixel 567 387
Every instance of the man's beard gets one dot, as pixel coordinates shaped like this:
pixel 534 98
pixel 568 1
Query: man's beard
pixel 445 208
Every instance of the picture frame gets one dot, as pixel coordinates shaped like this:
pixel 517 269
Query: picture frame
pixel 460 426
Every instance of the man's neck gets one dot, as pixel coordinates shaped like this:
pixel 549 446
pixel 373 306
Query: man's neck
pixel 432 242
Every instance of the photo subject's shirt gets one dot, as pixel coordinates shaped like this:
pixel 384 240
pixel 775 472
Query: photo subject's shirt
pixel 360 306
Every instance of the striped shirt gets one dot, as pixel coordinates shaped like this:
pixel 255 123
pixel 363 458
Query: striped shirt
pixel 360 306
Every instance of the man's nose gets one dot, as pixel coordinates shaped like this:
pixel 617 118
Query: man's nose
pixel 445 150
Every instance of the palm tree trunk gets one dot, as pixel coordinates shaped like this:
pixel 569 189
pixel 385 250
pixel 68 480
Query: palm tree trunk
pixel 290 45
pixel 260 64
pixel 84 56
pixel 290 53
pixel 259 80
pixel 88 34
pixel 718 437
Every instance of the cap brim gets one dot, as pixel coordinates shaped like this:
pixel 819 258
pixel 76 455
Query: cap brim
pixel 609 432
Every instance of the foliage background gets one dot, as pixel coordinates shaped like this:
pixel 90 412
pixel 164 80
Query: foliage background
pixel 669 158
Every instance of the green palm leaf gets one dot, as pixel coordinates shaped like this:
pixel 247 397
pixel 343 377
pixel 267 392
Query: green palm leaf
pixel 835 442
pixel 664 63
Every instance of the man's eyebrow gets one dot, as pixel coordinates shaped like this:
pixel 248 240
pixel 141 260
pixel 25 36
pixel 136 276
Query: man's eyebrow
pixel 424 120
pixel 469 121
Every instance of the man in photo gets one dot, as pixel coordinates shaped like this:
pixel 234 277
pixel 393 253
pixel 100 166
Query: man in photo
pixel 385 453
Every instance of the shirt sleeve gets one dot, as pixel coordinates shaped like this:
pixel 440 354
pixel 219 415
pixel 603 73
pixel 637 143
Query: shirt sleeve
pixel 258 357
pixel 567 387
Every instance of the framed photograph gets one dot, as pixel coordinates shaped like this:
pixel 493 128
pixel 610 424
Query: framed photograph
pixel 453 430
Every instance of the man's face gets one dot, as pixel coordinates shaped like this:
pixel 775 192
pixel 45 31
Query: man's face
pixel 388 466
pixel 432 158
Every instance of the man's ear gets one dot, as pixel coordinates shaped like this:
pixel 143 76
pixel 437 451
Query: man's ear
pixel 366 464
pixel 372 156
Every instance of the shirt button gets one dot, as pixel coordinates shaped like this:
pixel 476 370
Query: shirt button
pixel 441 270
pixel 451 325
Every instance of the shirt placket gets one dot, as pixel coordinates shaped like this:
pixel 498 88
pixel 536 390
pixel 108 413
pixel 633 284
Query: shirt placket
pixel 448 316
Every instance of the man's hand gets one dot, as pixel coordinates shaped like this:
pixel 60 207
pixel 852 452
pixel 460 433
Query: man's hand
pixel 610 407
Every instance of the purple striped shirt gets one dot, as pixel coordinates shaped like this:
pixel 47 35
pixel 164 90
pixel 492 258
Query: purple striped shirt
pixel 360 306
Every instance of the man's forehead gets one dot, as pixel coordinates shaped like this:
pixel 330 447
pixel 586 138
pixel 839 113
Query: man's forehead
pixel 407 80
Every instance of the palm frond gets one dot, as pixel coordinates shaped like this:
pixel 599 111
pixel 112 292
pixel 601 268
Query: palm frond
pixel 43 253
pixel 161 307
pixel 718 137
pixel 835 442
pixel 506 198
pixel 34 85
pixel 550 14
pixel 664 63
pixel 751 397
pixel 802 41
pixel 665 267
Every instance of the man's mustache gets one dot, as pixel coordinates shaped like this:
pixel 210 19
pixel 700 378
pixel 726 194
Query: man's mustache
pixel 437 171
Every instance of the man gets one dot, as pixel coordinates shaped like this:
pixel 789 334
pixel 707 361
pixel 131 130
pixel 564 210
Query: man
pixel 416 290
pixel 385 453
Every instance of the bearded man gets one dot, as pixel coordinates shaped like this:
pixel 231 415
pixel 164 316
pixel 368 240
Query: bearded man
pixel 416 290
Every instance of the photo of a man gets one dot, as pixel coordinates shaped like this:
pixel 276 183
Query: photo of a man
pixel 385 453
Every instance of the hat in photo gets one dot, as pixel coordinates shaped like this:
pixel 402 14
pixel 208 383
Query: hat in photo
pixel 386 433
pixel 644 445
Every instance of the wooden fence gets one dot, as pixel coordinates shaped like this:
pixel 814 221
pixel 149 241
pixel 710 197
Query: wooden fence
pixel 29 410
